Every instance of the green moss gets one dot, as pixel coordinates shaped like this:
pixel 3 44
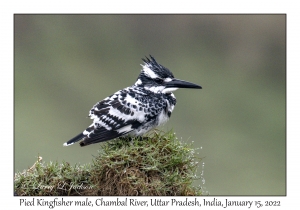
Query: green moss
pixel 155 165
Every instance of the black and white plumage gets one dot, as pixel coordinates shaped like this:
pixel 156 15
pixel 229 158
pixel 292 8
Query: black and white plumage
pixel 134 110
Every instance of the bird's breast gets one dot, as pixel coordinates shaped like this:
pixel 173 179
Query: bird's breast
pixel 165 114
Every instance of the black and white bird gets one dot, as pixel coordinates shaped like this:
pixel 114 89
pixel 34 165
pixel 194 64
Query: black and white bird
pixel 134 110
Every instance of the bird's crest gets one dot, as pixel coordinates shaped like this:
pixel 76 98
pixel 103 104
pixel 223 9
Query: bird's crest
pixel 155 70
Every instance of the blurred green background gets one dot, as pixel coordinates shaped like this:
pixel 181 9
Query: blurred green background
pixel 64 64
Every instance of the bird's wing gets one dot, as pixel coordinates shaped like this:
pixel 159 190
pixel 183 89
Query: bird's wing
pixel 114 116
pixel 120 114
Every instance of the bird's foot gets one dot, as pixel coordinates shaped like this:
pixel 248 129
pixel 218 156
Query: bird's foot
pixel 130 139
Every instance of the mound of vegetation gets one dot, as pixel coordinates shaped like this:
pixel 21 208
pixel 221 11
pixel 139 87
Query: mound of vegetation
pixel 155 165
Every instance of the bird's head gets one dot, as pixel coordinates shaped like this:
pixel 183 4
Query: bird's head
pixel 157 78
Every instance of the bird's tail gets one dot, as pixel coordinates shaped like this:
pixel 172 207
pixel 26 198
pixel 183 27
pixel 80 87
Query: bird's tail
pixel 75 139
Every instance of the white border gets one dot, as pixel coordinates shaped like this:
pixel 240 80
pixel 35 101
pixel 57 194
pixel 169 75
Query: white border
pixel 8 8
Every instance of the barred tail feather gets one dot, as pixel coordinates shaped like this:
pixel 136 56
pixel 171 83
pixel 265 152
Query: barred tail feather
pixel 75 139
pixel 100 136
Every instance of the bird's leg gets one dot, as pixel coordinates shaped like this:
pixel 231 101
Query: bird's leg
pixel 139 138
pixel 126 139
pixel 142 138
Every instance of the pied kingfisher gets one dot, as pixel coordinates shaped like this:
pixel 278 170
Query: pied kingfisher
pixel 134 110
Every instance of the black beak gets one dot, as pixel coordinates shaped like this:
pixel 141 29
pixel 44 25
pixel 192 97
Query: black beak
pixel 177 83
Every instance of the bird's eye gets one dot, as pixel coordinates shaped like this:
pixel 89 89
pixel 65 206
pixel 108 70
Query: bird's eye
pixel 159 81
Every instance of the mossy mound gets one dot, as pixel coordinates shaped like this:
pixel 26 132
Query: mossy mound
pixel 156 165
